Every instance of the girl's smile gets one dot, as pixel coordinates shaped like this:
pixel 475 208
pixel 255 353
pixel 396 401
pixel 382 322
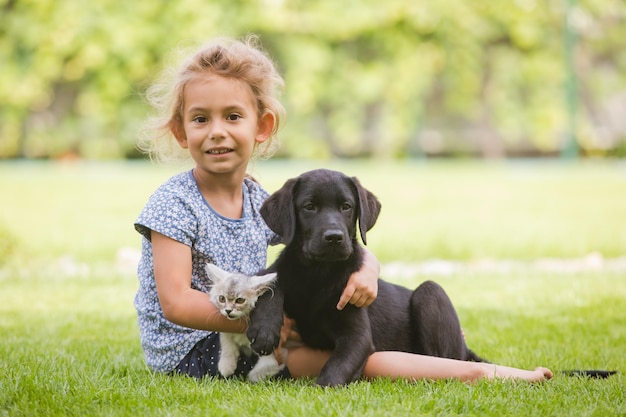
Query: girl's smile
pixel 219 151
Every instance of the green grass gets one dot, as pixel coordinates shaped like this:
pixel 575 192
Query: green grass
pixel 68 334
pixel 519 210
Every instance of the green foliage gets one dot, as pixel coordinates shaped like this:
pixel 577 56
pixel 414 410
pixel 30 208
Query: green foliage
pixel 363 77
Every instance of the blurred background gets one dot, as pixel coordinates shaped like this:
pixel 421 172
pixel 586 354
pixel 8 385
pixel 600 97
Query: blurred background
pixel 365 78
pixel 461 116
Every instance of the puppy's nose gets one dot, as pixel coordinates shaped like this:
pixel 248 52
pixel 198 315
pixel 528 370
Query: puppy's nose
pixel 333 236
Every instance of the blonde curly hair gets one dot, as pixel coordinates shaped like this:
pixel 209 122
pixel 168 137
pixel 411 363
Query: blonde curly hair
pixel 244 60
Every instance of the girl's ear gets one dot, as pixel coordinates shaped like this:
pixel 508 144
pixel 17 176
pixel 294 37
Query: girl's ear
pixel 176 127
pixel 265 127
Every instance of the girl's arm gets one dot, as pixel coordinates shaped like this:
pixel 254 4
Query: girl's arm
pixel 180 303
pixel 362 287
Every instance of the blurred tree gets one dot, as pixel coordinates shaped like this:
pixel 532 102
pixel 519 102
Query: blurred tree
pixel 363 77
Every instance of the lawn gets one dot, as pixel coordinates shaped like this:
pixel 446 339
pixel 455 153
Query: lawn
pixel 69 339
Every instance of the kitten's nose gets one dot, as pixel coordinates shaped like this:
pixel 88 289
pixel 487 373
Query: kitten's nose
pixel 228 312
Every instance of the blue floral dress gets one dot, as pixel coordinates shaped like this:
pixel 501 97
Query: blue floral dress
pixel 178 210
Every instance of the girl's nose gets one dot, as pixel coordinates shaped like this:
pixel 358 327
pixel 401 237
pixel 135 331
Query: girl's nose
pixel 217 131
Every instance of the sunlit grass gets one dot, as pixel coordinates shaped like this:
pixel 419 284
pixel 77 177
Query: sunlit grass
pixel 69 340
pixel 519 210
pixel 70 347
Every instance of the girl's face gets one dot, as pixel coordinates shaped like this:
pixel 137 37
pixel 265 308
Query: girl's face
pixel 221 124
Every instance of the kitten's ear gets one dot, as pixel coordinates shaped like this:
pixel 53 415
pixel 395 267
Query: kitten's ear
pixel 215 273
pixel 263 281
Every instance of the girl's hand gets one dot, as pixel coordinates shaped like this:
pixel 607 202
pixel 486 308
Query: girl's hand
pixel 286 334
pixel 362 286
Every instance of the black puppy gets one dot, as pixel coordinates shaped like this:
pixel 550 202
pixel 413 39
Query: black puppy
pixel 316 214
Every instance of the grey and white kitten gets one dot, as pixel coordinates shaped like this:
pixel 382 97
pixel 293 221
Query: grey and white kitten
pixel 235 295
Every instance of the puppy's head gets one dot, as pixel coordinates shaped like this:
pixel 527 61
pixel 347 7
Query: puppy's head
pixel 319 211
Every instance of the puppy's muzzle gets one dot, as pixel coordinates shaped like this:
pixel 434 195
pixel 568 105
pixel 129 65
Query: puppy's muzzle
pixel 331 245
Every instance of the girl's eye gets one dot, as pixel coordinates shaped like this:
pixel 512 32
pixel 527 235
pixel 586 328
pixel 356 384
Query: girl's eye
pixel 200 119
pixel 233 117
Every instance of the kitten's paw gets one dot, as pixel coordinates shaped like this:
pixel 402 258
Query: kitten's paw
pixel 266 367
pixel 227 366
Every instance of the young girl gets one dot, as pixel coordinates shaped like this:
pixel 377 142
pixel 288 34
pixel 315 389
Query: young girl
pixel 221 109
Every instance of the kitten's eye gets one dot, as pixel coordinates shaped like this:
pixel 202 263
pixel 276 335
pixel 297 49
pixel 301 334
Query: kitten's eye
pixel 240 300
pixel 222 299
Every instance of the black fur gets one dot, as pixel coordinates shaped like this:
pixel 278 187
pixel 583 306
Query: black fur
pixel 316 214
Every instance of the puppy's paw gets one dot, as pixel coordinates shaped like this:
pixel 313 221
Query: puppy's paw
pixel 263 342
pixel 337 373
pixel 326 380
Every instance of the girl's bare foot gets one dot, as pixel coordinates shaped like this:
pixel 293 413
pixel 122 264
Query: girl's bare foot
pixel 544 373
pixel 505 372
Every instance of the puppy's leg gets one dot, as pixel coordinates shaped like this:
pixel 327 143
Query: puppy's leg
pixel 346 363
pixel 353 345
pixel 265 322
pixel 435 324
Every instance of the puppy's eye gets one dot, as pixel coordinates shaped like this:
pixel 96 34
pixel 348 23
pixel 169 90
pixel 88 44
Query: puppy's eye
pixel 346 207
pixel 309 207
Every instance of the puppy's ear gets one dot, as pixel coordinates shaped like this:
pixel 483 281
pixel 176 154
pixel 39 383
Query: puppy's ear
pixel 369 208
pixel 279 211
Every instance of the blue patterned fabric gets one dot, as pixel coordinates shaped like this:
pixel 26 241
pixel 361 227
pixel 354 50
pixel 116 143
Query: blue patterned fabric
pixel 178 210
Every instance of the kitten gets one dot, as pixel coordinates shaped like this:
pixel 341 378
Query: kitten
pixel 235 296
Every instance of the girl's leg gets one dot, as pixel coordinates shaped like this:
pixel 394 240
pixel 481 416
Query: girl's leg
pixel 203 360
pixel 306 362
pixel 412 366
pixel 303 361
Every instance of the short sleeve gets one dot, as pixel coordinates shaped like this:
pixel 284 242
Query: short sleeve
pixel 170 215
